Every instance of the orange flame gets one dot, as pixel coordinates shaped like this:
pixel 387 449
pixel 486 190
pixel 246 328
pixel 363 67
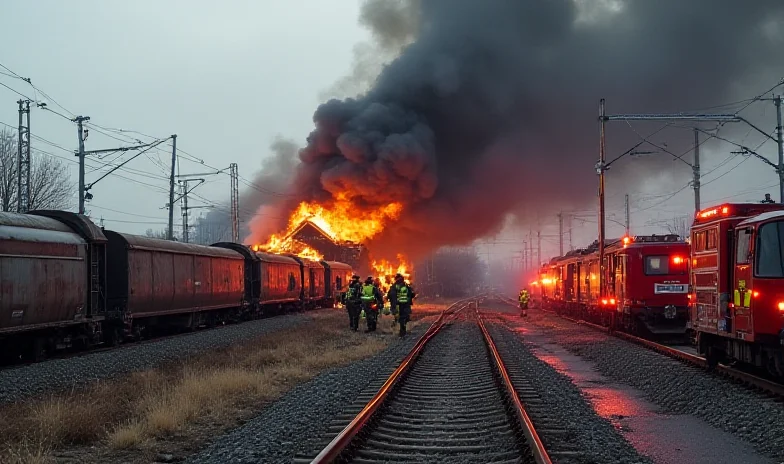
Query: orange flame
pixel 341 220
pixel 385 271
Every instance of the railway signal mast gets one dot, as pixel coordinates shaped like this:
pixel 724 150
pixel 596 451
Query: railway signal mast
pixel 23 159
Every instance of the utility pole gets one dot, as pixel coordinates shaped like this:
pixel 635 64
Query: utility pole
pixel 170 231
pixel 601 169
pixel 185 208
pixel 185 211
pixel 538 250
pixel 695 167
pixel 79 120
pixel 235 202
pixel 626 204
pixel 570 234
pixel 560 234
pixel 780 142
pixel 524 259
pixel 23 159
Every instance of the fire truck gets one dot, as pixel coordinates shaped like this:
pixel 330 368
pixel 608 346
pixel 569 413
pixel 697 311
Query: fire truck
pixel 647 284
pixel 737 284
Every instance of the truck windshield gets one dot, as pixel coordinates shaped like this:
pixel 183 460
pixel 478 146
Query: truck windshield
pixel 770 250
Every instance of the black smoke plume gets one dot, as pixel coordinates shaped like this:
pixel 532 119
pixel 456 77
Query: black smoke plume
pixel 493 106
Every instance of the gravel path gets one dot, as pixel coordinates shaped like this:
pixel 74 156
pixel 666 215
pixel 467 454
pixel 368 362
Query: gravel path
pixel 58 374
pixel 594 436
pixel 297 421
pixel 676 387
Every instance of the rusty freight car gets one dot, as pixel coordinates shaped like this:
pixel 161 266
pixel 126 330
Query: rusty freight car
pixel 51 282
pixel 156 283
pixel 338 276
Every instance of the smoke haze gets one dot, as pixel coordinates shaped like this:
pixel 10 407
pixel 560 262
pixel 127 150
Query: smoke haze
pixel 491 105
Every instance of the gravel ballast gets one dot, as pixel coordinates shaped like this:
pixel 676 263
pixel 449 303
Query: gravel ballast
pixel 297 422
pixel 675 386
pixel 594 436
pixel 57 374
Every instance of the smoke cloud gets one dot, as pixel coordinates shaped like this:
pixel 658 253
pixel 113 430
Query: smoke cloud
pixel 491 105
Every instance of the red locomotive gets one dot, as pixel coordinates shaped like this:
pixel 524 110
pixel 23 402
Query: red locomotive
pixel 737 281
pixel 647 284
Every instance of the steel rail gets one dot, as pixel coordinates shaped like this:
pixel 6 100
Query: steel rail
pixel 727 371
pixel 342 441
pixel 531 436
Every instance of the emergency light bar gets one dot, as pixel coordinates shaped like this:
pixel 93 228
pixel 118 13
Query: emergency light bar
pixel 654 238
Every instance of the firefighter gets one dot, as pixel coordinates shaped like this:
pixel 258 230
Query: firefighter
pixel 370 297
pixel 524 302
pixel 404 298
pixel 392 298
pixel 351 299
pixel 767 199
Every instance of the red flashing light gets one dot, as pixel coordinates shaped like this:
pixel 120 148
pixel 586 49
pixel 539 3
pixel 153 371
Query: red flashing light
pixel 626 240
pixel 677 260
pixel 612 301
pixel 755 294
pixel 604 301
pixel 724 210
pixel 781 306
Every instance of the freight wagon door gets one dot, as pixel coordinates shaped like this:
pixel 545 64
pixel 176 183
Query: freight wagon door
pixel 741 281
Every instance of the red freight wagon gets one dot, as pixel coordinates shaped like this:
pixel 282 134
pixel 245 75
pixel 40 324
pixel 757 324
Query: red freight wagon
pixel 148 278
pixel 44 266
pixel 281 280
pixel 737 279
pixel 338 276
pixel 51 282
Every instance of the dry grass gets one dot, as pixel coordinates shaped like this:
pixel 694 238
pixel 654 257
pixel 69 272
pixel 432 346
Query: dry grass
pixel 144 408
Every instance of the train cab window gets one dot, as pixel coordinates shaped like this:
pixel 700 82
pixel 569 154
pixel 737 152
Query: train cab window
pixel 743 247
pixel 770 250
pixel 292 282
pixel 338 282
pixel 657 265
pixel 699 241
pixel 713 240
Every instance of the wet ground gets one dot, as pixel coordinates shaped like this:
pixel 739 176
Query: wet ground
pixel 665 438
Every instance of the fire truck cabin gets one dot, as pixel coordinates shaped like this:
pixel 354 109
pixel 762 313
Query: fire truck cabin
pixel 737 281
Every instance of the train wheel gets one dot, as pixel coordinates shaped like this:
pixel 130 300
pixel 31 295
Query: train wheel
pixel 39 349
pixel 113 336
pixel 713 357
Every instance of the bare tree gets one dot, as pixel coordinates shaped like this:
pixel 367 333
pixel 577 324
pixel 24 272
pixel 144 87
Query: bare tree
pixel 50 182
pixel 161 233
pixel 8 170
pixel 679 225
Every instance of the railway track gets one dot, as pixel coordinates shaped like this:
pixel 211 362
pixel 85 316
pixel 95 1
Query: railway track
pixel 750 380
pixel 451 399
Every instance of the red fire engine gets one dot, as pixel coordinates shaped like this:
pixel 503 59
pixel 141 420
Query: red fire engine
pixel 647 284
pixel 737 282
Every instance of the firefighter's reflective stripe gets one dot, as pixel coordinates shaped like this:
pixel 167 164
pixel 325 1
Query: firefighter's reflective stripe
pixel 368 293
pixel 747 299
pixel 736 297
pixel 402 294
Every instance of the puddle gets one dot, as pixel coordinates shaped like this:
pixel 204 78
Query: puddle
pixel 664 438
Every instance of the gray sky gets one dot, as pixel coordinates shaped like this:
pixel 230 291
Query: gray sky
pixel 227 77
